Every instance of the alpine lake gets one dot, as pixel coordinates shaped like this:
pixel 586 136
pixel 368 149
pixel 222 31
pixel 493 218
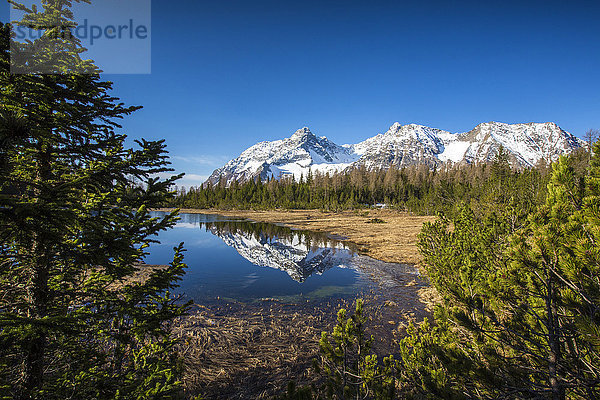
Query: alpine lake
pixel 244 261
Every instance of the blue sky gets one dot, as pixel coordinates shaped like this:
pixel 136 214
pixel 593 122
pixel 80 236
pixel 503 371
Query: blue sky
pixel 227 74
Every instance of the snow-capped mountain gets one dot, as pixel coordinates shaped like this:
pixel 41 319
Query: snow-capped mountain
pixel 526 143
pixel 401 145
pixel 296 155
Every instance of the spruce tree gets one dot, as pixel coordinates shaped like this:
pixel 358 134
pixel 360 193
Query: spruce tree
pixel 75 222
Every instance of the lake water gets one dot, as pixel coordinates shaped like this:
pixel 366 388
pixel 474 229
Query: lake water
pixel 248 261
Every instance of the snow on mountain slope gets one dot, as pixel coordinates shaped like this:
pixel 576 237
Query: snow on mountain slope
pixel 296 155
pixel 527 143
pixel 401 145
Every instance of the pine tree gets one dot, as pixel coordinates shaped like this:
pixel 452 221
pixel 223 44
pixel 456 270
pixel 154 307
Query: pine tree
pixel 349 367
pixel 75 220
pixel 523 301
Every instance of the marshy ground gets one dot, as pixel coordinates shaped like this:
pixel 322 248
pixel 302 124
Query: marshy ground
pixel 252 350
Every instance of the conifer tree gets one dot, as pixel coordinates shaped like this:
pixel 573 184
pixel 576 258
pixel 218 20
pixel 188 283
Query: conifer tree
pixel 347 363
pixel 523 304
pixel 75 220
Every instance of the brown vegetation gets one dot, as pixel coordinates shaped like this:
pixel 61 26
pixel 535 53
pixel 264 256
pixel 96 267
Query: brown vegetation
pixel 242 351
pixel 239 351
pixel 393 241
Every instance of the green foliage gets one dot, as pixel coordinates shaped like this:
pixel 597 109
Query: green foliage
pixel 375 221
pixel 433 363
pixel 295 393
pixel 521 298
pixel 414 189
pixel 349 367
pixel 57 51
pixel 74 212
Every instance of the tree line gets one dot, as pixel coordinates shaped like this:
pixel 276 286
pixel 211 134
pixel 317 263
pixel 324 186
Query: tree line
pixel 416 189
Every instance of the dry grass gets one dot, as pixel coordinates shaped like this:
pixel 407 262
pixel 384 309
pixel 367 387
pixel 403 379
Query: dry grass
pixel 237 351
pixel 242 351
pixel 141 275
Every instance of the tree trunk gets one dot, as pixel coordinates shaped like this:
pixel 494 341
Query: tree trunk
pixel 37 290
pixel 38 294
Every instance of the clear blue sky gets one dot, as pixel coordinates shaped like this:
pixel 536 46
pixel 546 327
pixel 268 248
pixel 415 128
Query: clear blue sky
pixel 227 74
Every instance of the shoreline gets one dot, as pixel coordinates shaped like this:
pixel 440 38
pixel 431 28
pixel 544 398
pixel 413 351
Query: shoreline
pixel 393 240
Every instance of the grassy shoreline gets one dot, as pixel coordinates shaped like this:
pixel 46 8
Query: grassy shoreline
pixel 393 240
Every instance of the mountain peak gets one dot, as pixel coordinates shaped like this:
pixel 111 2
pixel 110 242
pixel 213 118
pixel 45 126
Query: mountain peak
pixel 302 132
pixel 408 128
pixel 509 125
pixel 395 126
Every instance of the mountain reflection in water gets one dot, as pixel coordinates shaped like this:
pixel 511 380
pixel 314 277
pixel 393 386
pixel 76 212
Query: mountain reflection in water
pixel 318 265
pixel 299 254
